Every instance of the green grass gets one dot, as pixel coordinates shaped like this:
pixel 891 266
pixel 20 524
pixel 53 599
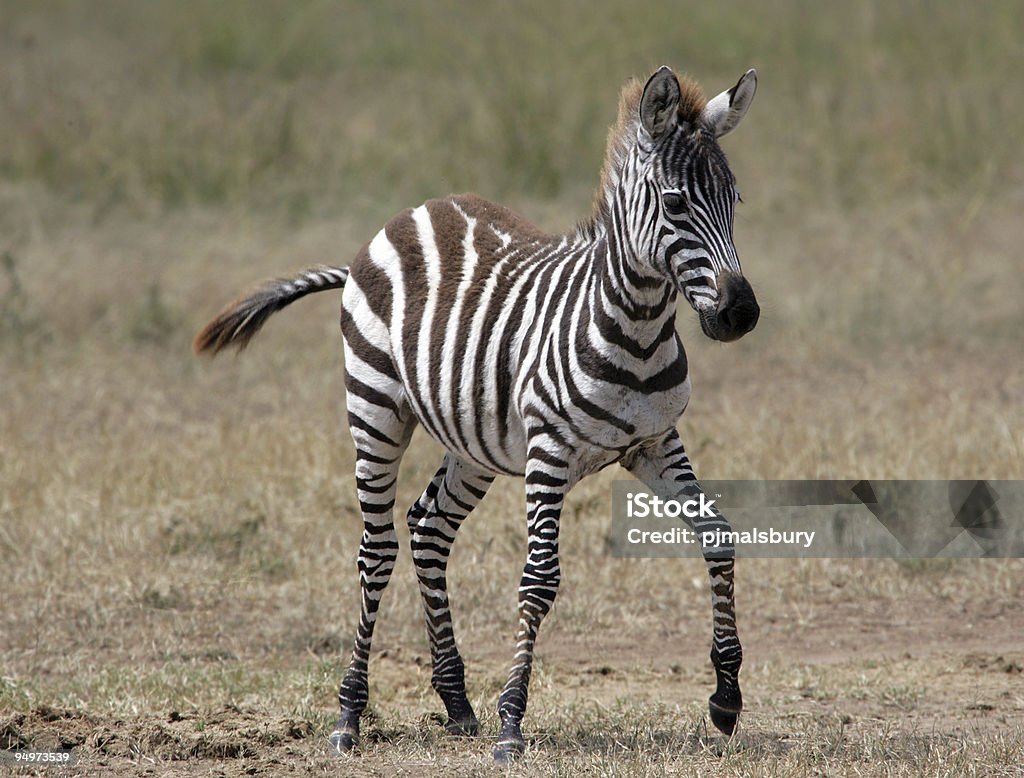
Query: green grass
pixel 315 106
pixel 878 158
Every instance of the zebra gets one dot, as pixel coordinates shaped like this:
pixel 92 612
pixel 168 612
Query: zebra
pixel 547 357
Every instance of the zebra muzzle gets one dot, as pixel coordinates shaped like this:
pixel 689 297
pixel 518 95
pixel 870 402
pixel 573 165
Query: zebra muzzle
pixel 737 311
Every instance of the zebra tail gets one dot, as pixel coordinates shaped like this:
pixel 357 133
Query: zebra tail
pixel 239 321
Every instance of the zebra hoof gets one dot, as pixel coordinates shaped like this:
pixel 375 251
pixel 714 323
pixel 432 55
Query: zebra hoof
pixel 724 719
pixel 344 740
pixel 510 745
pixel 465 728
pixel 508 751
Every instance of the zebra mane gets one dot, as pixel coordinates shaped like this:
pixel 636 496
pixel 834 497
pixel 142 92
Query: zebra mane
pixel 622 137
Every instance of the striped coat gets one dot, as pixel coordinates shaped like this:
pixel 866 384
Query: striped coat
pixel 479 355
pixel 535 355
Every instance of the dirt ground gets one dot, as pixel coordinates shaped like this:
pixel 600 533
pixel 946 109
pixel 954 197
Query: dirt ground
pixel 912 680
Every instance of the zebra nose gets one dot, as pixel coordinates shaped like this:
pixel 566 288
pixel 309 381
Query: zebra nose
pixel 738 310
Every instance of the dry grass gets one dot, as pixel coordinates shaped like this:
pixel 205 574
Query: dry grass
pixel 179 536
pixel 185 535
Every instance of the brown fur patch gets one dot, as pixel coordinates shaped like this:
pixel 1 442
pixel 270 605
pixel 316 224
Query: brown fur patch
pixel 501 217
pixel 692 99
pixel 622 134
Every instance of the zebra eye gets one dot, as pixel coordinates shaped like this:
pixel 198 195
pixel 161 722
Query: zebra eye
pixel 674 202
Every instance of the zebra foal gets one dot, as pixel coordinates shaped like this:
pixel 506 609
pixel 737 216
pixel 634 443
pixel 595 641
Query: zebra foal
pixel 535 355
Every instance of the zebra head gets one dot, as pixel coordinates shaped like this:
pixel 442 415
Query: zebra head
pixel 691 196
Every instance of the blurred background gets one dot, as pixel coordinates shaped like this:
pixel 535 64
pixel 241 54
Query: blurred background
pixel 882 158
pixel 158 158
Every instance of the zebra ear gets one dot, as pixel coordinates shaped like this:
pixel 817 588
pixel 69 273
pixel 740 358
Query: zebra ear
pixel 724 112
pixel 659 105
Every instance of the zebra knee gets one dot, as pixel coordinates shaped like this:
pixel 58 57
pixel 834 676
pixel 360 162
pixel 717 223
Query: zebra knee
pixel 424 504
pixel 376 561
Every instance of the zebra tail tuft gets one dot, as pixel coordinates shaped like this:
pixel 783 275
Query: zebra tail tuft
pixel 242 319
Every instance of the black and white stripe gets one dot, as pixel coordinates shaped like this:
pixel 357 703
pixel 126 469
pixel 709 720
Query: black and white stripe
pixel 527 354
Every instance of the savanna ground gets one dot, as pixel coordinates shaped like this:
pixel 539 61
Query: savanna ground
pixel 179 536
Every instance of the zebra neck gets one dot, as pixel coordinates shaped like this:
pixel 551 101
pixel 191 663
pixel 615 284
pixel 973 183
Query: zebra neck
pixel 631 307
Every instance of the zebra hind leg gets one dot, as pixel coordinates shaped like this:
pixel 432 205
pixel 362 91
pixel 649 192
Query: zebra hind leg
pixel 547 482
pixel 379 449
pixel 434 520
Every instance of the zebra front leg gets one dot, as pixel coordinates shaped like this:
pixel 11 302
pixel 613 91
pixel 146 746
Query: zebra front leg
pixel 665 466
pixel 547 482
pixel 434 520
